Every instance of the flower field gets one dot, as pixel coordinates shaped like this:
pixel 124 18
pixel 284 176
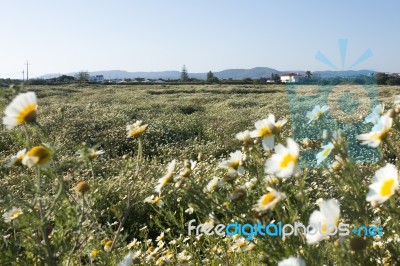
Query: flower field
pixel 112 175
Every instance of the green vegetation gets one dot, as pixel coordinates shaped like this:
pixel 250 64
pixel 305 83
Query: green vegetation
pixel 88 208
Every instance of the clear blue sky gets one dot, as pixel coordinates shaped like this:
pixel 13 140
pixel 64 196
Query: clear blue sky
pixel 155 35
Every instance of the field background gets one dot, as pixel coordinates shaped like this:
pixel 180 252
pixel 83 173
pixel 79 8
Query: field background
pixel 184 121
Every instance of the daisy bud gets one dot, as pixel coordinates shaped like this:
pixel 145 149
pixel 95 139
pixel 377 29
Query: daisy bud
pixel 82 188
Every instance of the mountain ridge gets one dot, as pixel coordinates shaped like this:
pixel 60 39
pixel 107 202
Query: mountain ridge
pixel 236 74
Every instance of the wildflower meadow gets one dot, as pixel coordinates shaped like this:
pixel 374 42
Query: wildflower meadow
pixel 113 175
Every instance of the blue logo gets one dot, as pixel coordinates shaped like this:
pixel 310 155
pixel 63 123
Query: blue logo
pixel 348 105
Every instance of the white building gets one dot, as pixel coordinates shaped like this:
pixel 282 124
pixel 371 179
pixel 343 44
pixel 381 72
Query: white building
pixel 290 78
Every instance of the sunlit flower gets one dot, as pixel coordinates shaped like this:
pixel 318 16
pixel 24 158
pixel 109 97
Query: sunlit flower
pixel 213 184
pixel 167 177
pixel 38 155
pixel 245 137
pixel 133 244
pixel 316 113
pixel 160 237
pixel 127 260
pixel 378 132
pixel 375 115
pixel 107 245
pixel 326 150
pixel 93 154
pixel 94 253
pixel 292 261
pixel 284 163
pixel 12 214
pixel 323 221
pixel 268 200
pixel 16 160
pixel 136 129
pixel 184 258
pixel 22 109
pixel 266 129
pixel 240 244
pixel 384 184
pixel 154 200
pixel 234 164
pixel 189 210
pixel 82 188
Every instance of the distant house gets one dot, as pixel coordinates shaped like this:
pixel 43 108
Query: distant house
pixel 97 78
pixel 290 78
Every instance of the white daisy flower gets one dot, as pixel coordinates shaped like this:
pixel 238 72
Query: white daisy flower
pixel 316 113
pixel 284 163
pixel 127 260
pixel 323 221
pixel 16 159
pixel 12 214
pixel 292 261
pixel 245 137
pixel 375 115
pixel 213 184
pixel 154 200
pixel 167 177
pixel 22 109
pixel 38 155
pixel 384 184
pixel 269 200
pixel 378 132
pixel 234 164
pixel 326 150
pixel 266 129
pixel 136 129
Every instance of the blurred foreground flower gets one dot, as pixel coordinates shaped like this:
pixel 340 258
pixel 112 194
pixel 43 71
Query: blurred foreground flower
pixel 234 164
pixel 375 115
pixel 22 109
pixel 38 155
pixel 12 214
pixel 292 261
pixel 167 177
pixel 107 246
pixel 323 221
pixel 16 160
pixel 82 187
pixel 245 137
pixel 269 200
pixel 89 153
pixel 266 129
pixel 378 132
pixel 284 163
pixel 384 184
pixel 326 150
pixel 154 200
pixel 136 129
pixel 316 113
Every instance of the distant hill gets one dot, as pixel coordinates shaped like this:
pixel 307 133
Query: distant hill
pixel 235 74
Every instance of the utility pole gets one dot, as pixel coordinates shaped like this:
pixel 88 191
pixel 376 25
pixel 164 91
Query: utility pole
pixel 23 76
pixel 27 70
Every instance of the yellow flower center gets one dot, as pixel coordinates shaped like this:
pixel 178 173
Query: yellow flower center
pixel 42 154
pixel 265 131
pixel 235 164
pixel 287 159
pixel 15 214
pixel 386 189
pixel 268 198
pixel 326 152
pixel 28 114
